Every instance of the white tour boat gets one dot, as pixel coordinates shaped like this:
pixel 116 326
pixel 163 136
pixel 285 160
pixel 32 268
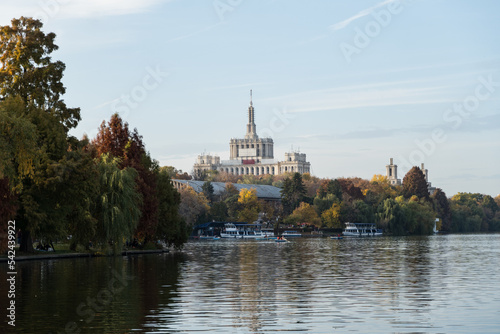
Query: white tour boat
pixel 361 230
pixel 291 234
pixel 243 231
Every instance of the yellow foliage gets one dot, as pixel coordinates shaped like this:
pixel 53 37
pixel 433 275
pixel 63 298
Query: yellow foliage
pixel 305 213
pixel 331 217
pixel 250 205
pixel 247 196
pixel 400 199
pixel 379 178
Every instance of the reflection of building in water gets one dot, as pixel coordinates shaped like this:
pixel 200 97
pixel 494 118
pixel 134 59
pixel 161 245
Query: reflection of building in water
pixel 392 176
pixel 252 155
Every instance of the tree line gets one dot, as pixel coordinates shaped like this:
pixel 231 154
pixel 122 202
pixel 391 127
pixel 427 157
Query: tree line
pixel 101 192
pixel 329 203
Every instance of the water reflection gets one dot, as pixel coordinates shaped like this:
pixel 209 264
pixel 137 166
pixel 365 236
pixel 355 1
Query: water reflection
pixel 427 284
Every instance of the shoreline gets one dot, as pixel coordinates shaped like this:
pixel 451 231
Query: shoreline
pixel 77 255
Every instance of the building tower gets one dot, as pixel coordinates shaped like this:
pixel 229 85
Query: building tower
pixel 251 148
pixel 425 172
pixel 252 155
pixel 426 175
pixel 392 174
pixel 251 128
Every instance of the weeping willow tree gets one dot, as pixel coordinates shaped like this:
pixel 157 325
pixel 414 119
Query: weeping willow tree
pixel 118 204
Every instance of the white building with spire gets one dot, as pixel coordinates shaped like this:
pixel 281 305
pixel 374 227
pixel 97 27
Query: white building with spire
pixel 252 155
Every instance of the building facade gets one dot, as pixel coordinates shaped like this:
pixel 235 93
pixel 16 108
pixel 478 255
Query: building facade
pixel 252 155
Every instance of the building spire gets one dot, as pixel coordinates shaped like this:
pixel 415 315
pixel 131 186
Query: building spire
pixel 251 128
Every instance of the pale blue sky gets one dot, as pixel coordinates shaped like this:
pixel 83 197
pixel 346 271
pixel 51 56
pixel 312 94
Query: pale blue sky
pixel 349 83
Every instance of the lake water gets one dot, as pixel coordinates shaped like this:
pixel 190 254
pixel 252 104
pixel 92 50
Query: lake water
pixel 436 284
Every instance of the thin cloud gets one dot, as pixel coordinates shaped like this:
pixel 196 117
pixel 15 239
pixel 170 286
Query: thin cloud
pixel 473 125
pixel 363 13
pixel 75 8
pixel 426 90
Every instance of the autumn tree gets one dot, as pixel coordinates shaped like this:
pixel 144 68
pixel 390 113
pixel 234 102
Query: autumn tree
pixel 442 208
pixel 42 209
pixel 418 216
pixel 322 204
pixel 350 192
pixel 219 211
pixel 226 177
pixel 192 205
pixel 402 217
pixel 311 184
pixel 208 190
pixel 328 193
pixel 18 142
pixel 229 190
pixel 250 206
pixel 117 206
pixel 304 214
pixel 331 216
pixel 171 227
pixel 78 176
pixel 379 189
pixel 271 210
pixel 292 193
pixel 116 139
pixel 391 217
pixel 360 212
pixel 28 70
pixel 42 120
pixel 414 183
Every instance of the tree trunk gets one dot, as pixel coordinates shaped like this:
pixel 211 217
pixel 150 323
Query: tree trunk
pixel 26 242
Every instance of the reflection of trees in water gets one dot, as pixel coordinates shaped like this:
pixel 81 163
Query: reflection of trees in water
pixel 91 294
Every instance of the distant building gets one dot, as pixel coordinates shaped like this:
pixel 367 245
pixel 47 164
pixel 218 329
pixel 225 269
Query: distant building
pixel 392 176
pixel 429 185
pixel 264 192
pixel 252 156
